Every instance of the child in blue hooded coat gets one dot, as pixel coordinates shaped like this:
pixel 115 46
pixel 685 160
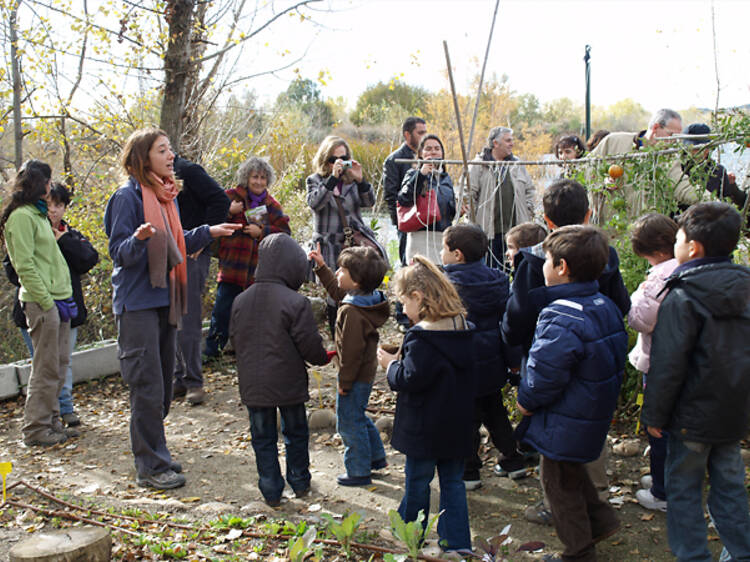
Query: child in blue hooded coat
pixel 433 375
pixel 573 378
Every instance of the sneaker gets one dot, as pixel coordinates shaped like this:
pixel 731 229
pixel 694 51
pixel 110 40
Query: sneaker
pixel 302 493
pixel 174 466
pixel 379 464
pixel 472 484
pixel 47 439
pixel 346 480
pixel 195 396
pixel 538 514
pixel 71 419
pixel 515 468
pixel 647 500
pixel 647 481
pixel 163 481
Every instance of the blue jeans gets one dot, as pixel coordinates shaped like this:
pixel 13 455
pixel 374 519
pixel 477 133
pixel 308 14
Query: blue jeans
pixel 66 394
pixel 296 438
pixel 362 443
pixel 218 333
pixel 686 467
pixel 453 525
pixel 657 456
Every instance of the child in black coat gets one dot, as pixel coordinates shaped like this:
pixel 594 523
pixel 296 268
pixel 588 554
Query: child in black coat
pixel 433 375
pixel 484 292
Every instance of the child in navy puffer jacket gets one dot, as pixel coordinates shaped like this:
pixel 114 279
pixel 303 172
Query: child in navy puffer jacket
pixel 434 377
pixel 574 373
pixel 484 292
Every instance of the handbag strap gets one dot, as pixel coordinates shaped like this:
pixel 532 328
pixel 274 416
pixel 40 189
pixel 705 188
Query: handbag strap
pixel 348 235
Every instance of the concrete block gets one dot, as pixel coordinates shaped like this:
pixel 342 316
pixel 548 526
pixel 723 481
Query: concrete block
pixel 8 382
pixel 96 361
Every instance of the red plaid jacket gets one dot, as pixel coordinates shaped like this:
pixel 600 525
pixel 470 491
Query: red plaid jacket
pixel 238 254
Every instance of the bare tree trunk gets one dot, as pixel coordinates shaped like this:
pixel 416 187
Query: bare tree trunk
pixel 190 147
pixel 177 62
pixel 16 69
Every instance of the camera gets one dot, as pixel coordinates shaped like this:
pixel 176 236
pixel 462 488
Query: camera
pixel 346 164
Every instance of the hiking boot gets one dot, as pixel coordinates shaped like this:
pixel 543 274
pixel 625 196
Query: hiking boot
pixel 69 432
pixel 346 480
pixel 163 481
pixel 195 396
pixel 649 501
pixel 71 419
pixel 47 439
pixel 538 514
pixel 178 390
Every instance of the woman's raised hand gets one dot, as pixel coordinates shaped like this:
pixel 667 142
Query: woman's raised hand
pixel 235 207
pixel 145 231
pixel 223 229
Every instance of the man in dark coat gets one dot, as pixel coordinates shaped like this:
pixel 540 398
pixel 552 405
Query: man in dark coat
pixel 201 201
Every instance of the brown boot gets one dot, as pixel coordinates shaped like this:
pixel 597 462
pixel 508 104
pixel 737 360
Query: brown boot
pixel 195 396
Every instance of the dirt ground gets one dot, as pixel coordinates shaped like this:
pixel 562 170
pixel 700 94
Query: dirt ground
pixel 212 441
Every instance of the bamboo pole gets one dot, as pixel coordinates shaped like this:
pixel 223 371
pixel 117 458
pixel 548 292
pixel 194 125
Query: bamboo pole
pixel 460 134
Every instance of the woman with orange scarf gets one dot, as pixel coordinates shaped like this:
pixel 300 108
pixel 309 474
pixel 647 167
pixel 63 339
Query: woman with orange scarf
pixel 149 277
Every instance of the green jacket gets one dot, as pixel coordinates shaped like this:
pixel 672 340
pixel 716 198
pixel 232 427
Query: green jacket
pixel 36 257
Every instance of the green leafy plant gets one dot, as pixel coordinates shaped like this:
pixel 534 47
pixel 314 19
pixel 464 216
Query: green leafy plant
pixel 413 534
pixel 169 549
pixel 345 530
pixel 299 546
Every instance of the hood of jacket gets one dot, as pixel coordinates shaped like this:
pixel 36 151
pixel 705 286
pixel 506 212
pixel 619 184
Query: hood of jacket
pixel 281 260
pixel 723 288
pixel 374 308
pixel 483 290
pixel 455 346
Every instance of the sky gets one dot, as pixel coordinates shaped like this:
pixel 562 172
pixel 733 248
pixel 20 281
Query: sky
pixel 658 52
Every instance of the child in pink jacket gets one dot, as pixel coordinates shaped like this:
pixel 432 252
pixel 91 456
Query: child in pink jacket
pixel 652 237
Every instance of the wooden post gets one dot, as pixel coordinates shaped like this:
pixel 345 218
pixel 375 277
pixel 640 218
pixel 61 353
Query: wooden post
pixel 465 173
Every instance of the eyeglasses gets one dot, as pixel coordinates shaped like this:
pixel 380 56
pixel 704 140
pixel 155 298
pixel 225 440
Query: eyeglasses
pixel 332 159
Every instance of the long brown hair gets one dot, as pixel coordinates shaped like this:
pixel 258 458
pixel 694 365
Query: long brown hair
pixel 134 158
pixel 29 185
pixel 329 144
pixel 440 299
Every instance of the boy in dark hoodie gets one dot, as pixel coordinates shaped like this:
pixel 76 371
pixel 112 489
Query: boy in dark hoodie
pixel 484 292
pixel 362 309
pixel 699 384
pixel 274 333
pixel 565 202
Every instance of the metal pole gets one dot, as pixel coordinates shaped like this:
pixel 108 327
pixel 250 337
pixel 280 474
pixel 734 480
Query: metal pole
pixel 481 79
pixel 460 135
pixel 586 59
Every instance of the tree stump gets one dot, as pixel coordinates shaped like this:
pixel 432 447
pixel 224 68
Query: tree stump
pixel 79 544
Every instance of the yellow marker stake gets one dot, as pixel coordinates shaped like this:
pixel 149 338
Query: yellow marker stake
pixel 316 376
pixel 639 402
pixel 5 469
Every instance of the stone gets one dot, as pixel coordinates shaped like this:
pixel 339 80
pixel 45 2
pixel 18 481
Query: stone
pixel 89 544
pixel 320 309
pixel 321 419
pixel 214 507
pixel 384 424
pixel 627 448
pixel 256 508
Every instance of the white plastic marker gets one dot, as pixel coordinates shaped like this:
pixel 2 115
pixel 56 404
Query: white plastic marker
pixel 5 469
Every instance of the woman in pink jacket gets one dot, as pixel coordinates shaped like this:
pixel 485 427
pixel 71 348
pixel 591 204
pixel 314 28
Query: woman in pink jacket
pixel 652 237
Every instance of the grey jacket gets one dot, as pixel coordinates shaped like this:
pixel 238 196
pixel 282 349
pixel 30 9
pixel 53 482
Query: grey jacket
pixel 484 181
pixel 273 330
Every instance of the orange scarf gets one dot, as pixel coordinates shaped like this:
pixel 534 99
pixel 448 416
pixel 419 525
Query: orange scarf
pixel 166 248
